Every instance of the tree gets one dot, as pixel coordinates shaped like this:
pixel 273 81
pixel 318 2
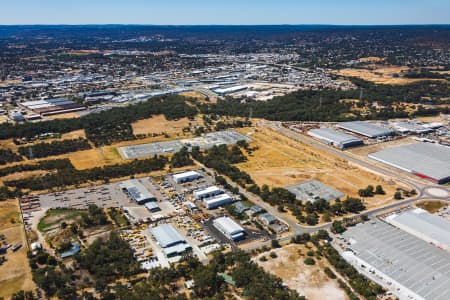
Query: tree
pixel 379 190
pixel 275 244
pixel 337 227
pixel 398 195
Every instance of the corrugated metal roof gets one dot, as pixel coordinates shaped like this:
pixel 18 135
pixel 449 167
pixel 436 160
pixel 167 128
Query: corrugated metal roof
pixel 166 235
pixel 366 129
pixel 333 136
pixel 228 225
pixel 137 190
pixel 423 158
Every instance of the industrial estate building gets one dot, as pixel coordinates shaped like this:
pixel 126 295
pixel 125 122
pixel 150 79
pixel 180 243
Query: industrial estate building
pixel 170 240
pixel 52 106
pixel 335 138
pixel 186 176
pixel 152 206
pixel 429 161
pixel 207 193
pixel 137 191
pixel 420 223
pixel 411 266
pixel 229 228
pixel 209 140
pixel 215 202
pixel 314 190
pixel 366 129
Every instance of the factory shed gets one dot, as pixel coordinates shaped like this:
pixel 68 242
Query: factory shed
pixel 220 200
pixel 167 236
pixel 229 228
pixel 313 190
pixel 137 191
pixel 185 176
pixel 420 223
pixel 335 138
pixel 267 218
pixel 207 193
pixel 366 129
pixel 152 206
pixel 52 106
pixel 425 160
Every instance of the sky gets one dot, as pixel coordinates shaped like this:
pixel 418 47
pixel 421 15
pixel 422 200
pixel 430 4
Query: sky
pixel 225 12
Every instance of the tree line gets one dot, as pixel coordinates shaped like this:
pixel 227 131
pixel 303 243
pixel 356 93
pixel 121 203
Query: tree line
pixel 8 156
pixel 54 148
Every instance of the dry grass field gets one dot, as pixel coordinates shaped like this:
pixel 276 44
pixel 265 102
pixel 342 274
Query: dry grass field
pixel 159 124
pixel 15 273
pixel 310 281
pixel 69 115
pixel 381 74
pixel 280 161
pixel 372 59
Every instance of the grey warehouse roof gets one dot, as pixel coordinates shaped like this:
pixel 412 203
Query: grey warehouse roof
pixel 333 136
pixel 166 235
pixel 137 190
pixel 366 129
pixel 421 223
pixel 426 159
pixel 412 262
pixel 313 190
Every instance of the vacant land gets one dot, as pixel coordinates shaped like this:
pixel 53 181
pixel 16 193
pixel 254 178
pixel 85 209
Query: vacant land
pixel 381 74
pixel 310 281
pixel 366 150
pixel 159 124
pixel 280 161
pixel 70 115
pixel 15 273
pixel 432 206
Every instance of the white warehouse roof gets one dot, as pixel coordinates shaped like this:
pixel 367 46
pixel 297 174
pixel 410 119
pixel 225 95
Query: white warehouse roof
pixel 208 191
pixel 228 226
pixel 419 222
pixel 367 129
pixel 334 137
pixel 188 174
pixel 137 190
pixel 167 235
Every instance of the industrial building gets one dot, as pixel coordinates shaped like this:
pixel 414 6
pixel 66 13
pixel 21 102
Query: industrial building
pixel 152 206
pixel 150 149
pixel 429 161
pixel 420 223
pixel 230 90
pixel 170 240
pixel 410 266
pixel 137 191
pixel 186 176
pixel 267 218
pixel 314 190
pixel 366 129
pixel 335 138
pixel 207 193
pixel 215 202
pixel 229 228
pixel 52 106
pixel 411 127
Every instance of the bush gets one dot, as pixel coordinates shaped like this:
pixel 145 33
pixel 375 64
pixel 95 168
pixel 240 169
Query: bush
pixel 309 261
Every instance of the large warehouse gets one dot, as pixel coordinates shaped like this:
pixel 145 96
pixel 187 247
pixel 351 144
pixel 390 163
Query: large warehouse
pixel 420 223
pixel 429 161
pixel 137 191
pixel 52 106
pixel 215 202
pixel 207 193
pixel 414 268
pixel 335 138
pixel 229 228
pixel 170 240
pixel 366 129
pixel 186 176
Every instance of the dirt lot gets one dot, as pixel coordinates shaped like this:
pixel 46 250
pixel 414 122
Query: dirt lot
pixel 364 151
pixel 310 281
pixel 380 74
pixel 69 115
pixel 280 162
pixel 74 135
pixel 159 124
pixel 15 273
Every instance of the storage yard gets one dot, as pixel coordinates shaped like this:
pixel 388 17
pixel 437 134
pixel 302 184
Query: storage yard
pixel 425 160
pixel 207 141
pixel 410 266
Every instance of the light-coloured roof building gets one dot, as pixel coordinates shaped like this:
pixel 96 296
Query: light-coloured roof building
pixel 137 191
pixel 214 202
pixel 208 192
pixel 335 138
pixel 185 176
pixel 425 160
pixel 365 128
pixel 313 190
pixel 419 222
pixel 166 235
pixel 229 228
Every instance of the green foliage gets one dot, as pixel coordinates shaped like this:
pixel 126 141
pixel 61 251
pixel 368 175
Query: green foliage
pixel 66 177
pixel 309 261
pixel 55 148
pixel 367 192
pixel 7 156
pixel 95 217
pixel 329 273
pixel 48 165
pixel 108 259
pixel 337 227
pixel 398 195
pixel 181 159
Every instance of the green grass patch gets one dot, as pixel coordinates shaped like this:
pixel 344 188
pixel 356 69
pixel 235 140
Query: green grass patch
pixel 57 216
pixel 118 217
